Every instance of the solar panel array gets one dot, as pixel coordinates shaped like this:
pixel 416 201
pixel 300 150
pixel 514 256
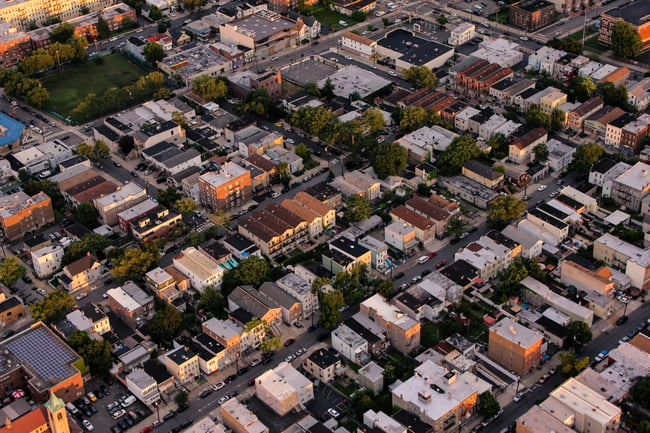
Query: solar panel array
pixel 44 353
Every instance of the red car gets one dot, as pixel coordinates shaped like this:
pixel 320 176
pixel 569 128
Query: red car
pixel 432 255
pixel 146 430
pixel 289 342
pixel 441 264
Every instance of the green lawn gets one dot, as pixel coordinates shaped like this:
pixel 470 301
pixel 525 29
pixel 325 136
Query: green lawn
pixel 71 86
pixel 330 19
pixel 594 46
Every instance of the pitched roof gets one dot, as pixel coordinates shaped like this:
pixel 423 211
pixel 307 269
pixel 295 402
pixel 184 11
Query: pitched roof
pixel 412 218
pixel 358 38
pixel 81 265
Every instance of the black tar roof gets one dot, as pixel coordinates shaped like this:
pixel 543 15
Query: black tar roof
pixel 412 422
pixel 636 13
pixel 414 50
pixel 460 272
pixel 584 262
pixel 533 5
pixel 323 358
pixel 156 370
pixel 603 166
pixel 548 218
pixel 351 248
pixel 357 327
pixel 239 242
pixel 9 303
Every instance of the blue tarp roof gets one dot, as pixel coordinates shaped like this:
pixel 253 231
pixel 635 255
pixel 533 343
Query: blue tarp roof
pixel 13 131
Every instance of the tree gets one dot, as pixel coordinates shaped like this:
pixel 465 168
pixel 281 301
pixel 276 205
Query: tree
pixel 213 302
pixel 252 271
pixel 53 307
pixel 87 215
pixel 103 31
pixel 389 159
pixel 312 89
pixel 190 5
pixel 505 209
pixel 155 13
pixel 95 353
pixel 303 151
pixel 62 33
pixel 578 334
pixel 185 205
pixel 135 263
pixel 585 156
pixel 421 76
pixel 423 190
pixel 93 151
pixel 413 117
pixel 153 52
pixel 541 152
pixel 210 88
pixel 91 243
pixel 165 324
pixel 373 120
pixel 181 399
pixel 38 96
pixel 330 304
pixel 442 20
pixel 536 118
pixel 168 197
pixel 357 208
pixel 126 144
pixel 271 343
pixel 626 41
pixel 498 146
pixel 456 226
pixel 258 102
pixel 460 150
pixel 613 95
pixel 358 16
pixel 581 88
pixel 641 392
pixel 11 270
pixel 570 365
pixel 488 406
pixel 383 287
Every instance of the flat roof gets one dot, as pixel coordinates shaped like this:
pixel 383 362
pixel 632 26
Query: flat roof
pixel 515 332
pixel 262 25
pixel 533 5
pixel 635 13
pixel 10 129
pixel 414 50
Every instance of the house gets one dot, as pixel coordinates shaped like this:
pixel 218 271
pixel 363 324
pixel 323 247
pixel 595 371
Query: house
pixel 402 332
pixel 368 185
pixel 461 34
pixel 182 363
pixel 238 418
pixel 291 307
pixel 125 197
pixel 154 224
pixel 163 284
pixel 256 304
pixel 537 419
pixel 283 388
pixel 500 50
pixel 435 208
pixel 522 143
pixel 470 190
pixel 514 346
pixel 599 170
pixel 227 189
pixel 21 214
pixel 597 122
pixel 89 319
pixel 47 260
pixel 227 333
pixel 614 129
pixel 634 134
pixel 419 304
pixel 638 94
pixel 299 289
pixel 199 268
pixel 343 254
pixel 241 247
pixel 371 376
pixel 81 273
pixel 11 310
pixel 560 154
pixel 213 356
pixel 531 245
pixel 632 186
pixel 489 256
pixel 134 213
pixel 358 44
pixel 585 274
pixel 401 235
pixel 576 117
pixel 483 174
pixel 131 303
pixel 142 386
pixel 626 257
pixel 322 365
pixel 168 131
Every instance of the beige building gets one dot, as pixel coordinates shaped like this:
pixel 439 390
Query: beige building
pixel 537 420
pixel 582 409
pixel 631 187
pixel 585 274
pixel 182 363
pixel 143 386
pixel 199 268
pixel 633 260
pixel 284 388
pixel 551 102
pixel 538 294
pixel 322 365
pixel 514 346
pixel 240 419
pixel 463 33
pixel 123 198
pixel 358 44
pixel 81 273
pixel 21 14
pixel 402 331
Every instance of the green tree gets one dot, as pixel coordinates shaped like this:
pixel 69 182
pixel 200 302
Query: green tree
pixel 581 88
pixel 498 146
pixel 181 399
pixel 210 88
pixel 626 41
pixel 462 149
pixel 456 226
pixel 643 427
pixel 135 263
pixel 155 13
pixel 213 302
pixel 327 91
pixel 613 95
pixel 54 306
pixel 585 156
pixel 153 52
pixel 165 325
pixel 95 353
pixel 358 16
pixel 185 205
pixel 641 392
pixel 357 208
pixel 94 151
pixel 383 287
pixel 570 365
pixel 303 151
pixel 536 118
pixel 389 159
pixel 11 270
pixel 190 5
pixel 168 197
pixel 541 152
pixel 258 102
pixel 87 215
pixel 505 209
pixel 103 31
pixel 330 304
pixel 252 271
pixel 442 20
pixel 488 406
pixel 91 243
pixel 38 96
pixel 421 76
pixel 312 89
pixel 578 334
pixel 423 190
pixel 62 33
pixel 271 343
pixel 373 120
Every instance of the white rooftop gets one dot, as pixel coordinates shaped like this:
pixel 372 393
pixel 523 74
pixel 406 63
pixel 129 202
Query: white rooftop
pixel 123 298
pixel 228 172
pixel 635 254
pixel 636 177
pixel 244 416
pixel 122 193
pixel 350 79
pixel 226 329
pixel 515 332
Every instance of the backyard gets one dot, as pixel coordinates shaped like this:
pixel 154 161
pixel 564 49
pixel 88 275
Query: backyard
pixel 69 87
pixel 330 19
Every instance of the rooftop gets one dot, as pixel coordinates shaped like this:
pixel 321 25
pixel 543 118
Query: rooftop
pixel 533 5
pixel 262 25
pixel 513 331
pixel 572 397
pixel 538 420
pixel 228 172
pixel 414 50
pixel 636 13
pixel 637 177
pixel 323 358
pixel 635 254
pixel 180 355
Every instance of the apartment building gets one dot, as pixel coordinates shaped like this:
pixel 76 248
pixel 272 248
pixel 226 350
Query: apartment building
pixel 199 268
pixel 14 45
pixel 632 186
pixel 531 15
pixel 227 189
pixel 576 117
pixel 291 308
pixel 154 225
pixel 123 198
pixel 408 228
pixel 227 333
pixel 344 253
pixel 638 94
pixel 274 229
pixel 128 216
pixel 636 14
pixel 538 294
pixel 461 34
pixel 440 397
pixel 21 14
pixel 21 214
pixel 300 289
pixel 131 303
pixel 163 284
pixel 634 261
pixel 182 363
pixel 490 254
pixel 81 273
pixel 514 346
pixel 322 365
pixel 283 388
pixel 240 419
pixel 634 134
pixel 523 141
pixel 585 274
pixel 256 304
pixel 597 122
pixel 402 332
pixel 614 129
pixel 317 215
pixel 358 44
pixel 537 420
pixel 47 260
pixel 143 386
pixel 434 208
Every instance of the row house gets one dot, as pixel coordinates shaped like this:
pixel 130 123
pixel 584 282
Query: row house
pixel 274 229
pixel 257 304
pixel 434 208
pixel 597 122
pixel 634 134
pixel 483 174
pixel 490 254
pixel 317 215
pixel 638 94
pixel 523 141
pixel 614 129
pixel 477 78
pixel 155 224
pixel 200 268
pixel 632 186
pixel 125 197
pixel 505 90
pixel 576 117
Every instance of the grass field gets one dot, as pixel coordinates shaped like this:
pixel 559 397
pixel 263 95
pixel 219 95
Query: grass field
pixel 330 19
pixel 71 86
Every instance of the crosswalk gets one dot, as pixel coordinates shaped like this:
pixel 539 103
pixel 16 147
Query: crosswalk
pixel 53 135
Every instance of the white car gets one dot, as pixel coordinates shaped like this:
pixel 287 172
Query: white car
pixel 541 187
pixel 348 58
pixel 80 296
pixel 275 194
pixel 422 260
pixel 255 362
pixel 289 358
pixel 218 386
pixel 41 292
pixel 223 399
pixel 290 140
pixel 119 413
pixel 333 412
pixel 88 425
pixel 392 73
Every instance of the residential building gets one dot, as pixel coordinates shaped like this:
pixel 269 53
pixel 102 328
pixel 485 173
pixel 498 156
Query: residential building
pixel 42 363
pixel 505 90
pixel 582 409
pixel 635 14
pixel 631 187
pixel 182 363
pixel 435 208
pixel 47 260
pixel 81 273
pixel 142 386
pixel 638 94
pixel 300 289
pixel 532 14
pixel 488 255
pixel 256 304
pixel 576 117
pixel 439 397
pixel 21 214
pixel 402 331
pixel 371 376
pixel 240 419
pixel 213 356
pixel 600 169
pixel 256 141
pixel 274 229
pixel 344 253
pixel 483 174
pixel 125 197
pixel 597 122
pixel 408 228
pixel 421 143
pixel 20 15
pixel 366 183
pixel 11 310
pixel 168 131
pixel 560 154
pixel 134 213
pixel 245 82
pixel 14 45
pixel 470 190
pixel 537 420
pixel 226 190
pixel 461 34
pixel 155 224
pixel 614 128
pixel 131 303
pixel 163 284
pixel 419 304
pixel 500 50
pixel 241 247
pixel 283 388
pixel 584 274
pixel 552 101
pixel 522 143
pixel 514 346
pixel 318 216
pixel 634 134
pixel 539 294
pixel 290 306
pixel 265 32
pixel 199 268
pixel 227 333
pixel 322 365
pixel 531 245
pixel 358 44
pixel 552 229
pixel 350 344
pixel 89 319
pixel 621 255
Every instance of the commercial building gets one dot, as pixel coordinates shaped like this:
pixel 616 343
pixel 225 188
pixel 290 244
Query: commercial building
pixel 131 303
pixel 143 386
pixel 182 363
pixel 199 268
pixel 123 198
pixel 514 346
pixel 532 14
pixel 621 255
pixel 402 332
pixel 227 189
pixel 194 62
pixel 21 214
pixel 407 50
pixel 461 34
pixel 636 14
pixel 283 388
pixel 266 32
pixel 358 44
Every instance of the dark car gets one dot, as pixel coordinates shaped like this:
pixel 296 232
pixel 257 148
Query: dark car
pixel 123 425
pixel 116 429
pixel 169 416
pixel 92 408
pixel 182 408
pixel 312 328
pixel 267 361
pixel 621 320
pixel 105 390
pixel 425 272
pixel 186 423
pixel 205 393
pixel 454 241
pixel 289 342
pixel 129 421
pixel 27 279
pixel 134 174
pixel 398 275
pixel 230 378
pixel 315 43
pixel 242 371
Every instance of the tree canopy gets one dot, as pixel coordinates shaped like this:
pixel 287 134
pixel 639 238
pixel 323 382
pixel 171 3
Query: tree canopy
pixel 94 151
pixel 641 392
pixel 456 226
pixel 421 76
pixel 462 149
pixel 626 41
pixel 210 88
pixel 53 307
pixel 87 215
pixel 91 243
pixel 153 52
pixel 581 88
pixel 165 324
pixel 185 205
pixel 135 263
pixel 96 353
pixel 330 304
pixel 357 208
pixel 252 271
pixel 585 156
pixel 570 365
pixel 488 406
pixel 11 270
pixel 389 159
pixel 505 209
pixel 578 333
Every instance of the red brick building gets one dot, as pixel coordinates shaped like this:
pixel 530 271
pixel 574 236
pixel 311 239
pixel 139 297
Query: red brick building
pixel 14 46
pixel 532 14
pixel 636 14
pixel 21 214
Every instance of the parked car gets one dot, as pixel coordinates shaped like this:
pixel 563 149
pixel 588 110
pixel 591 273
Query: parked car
pixel 601 355
pixel 333 412
pixel 205 393
pixel 289 342
pixel 422 260
pixel 169 415
pixel 218 386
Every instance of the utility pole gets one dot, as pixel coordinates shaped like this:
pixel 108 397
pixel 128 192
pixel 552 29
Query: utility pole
pixel 584 31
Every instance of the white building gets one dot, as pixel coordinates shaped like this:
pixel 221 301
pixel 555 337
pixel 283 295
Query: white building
pixel 199 268
pixel 47 260
pixel 348 343
pixel 560 154
pixel 544 295
pixel 358 44
pixel 463 33
pixel 143 386
pixel 500 51
pixel 284 388
pixel 400 236
pixel 300 289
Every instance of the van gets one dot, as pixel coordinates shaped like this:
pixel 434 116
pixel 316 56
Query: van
pixel 71 408
pixel 128 401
